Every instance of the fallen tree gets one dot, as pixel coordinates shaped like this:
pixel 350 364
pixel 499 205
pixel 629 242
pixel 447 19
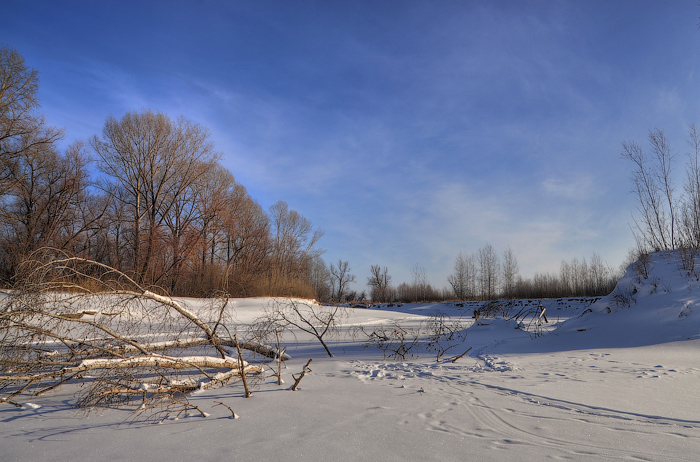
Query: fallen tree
pixel 71 320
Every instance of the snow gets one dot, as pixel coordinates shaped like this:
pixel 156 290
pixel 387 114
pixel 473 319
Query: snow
pixel 603 381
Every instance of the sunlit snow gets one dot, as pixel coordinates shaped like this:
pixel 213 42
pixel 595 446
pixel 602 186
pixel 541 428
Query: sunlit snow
pixel 604 379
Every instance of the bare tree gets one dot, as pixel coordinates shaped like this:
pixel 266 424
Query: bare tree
pixel 510 272
pixel 664 165
pixel 340 279
pixel 45 204
pixel 379 281
pixel 321 279
pixel 691 205
pixel 458 279
pixel 463 279
pixel 653 187
pixel 421 286
pixel 488 272
pixel 321 322
pixel 245 244
pixel 567 277
pixel 293 242
pixel 182 226
pixel 599 275
pixel 399 341
pixel 395 340
pixel 149 162
pixel 214 206
pixel 22 128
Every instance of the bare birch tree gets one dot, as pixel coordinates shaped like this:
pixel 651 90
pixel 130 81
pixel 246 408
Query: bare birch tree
pixel 691 205
pixel 654 191
pixel 599 275
pixel 463 278
pixel 488 272
pixel 510 272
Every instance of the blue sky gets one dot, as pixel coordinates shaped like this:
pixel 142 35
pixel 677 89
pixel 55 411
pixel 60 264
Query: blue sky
pixel 408 130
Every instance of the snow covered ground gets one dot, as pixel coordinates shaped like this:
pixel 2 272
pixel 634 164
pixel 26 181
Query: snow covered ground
pixel 604 381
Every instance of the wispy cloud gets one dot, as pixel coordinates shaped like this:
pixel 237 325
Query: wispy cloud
pixel 572 189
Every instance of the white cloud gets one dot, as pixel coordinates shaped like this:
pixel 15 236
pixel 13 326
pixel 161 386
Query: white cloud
pixel 572 189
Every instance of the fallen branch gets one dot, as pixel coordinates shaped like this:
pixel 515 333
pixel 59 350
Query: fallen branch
pixel 169 362
pixel 301 376
pixel 241 368
pixel 9 401
pixel 261 349
pixel 461 356
pixel 159 411
pixel 68 317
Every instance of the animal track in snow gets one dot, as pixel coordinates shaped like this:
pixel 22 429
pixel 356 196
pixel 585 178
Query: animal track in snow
pixel 497 364
pixel 447 371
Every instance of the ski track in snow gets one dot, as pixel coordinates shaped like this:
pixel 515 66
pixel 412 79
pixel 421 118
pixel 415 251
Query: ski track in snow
pixel 460 389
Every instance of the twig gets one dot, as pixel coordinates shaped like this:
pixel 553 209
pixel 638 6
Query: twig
pixel 233 414
pixel 56 385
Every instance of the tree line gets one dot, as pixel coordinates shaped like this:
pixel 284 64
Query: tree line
pixel 161 207
pixel 484 275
